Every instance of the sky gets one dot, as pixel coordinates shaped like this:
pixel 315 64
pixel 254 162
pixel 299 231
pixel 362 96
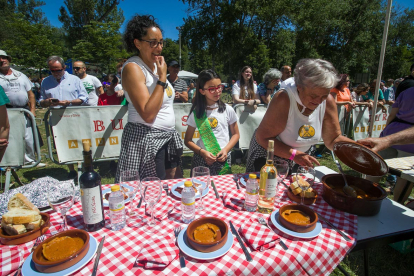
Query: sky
pixel 169 13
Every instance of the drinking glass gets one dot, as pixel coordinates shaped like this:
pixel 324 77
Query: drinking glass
pixel 201 175
pixel 130 178
pixel 151 190
pixel 282 168
pixel 308 174
pixel 61 197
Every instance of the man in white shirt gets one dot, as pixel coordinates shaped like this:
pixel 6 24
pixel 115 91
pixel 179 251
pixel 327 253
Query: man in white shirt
pixel 91 83
pixel 18 89
pixel 286 74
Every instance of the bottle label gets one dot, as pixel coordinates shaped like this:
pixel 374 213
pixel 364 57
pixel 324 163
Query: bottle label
pixel 91 205
pixel 188 201
pixel 115 207
pixel 252 187
pixel 271 187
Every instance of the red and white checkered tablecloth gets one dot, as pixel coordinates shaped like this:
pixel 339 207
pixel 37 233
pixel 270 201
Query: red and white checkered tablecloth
pixel 318 256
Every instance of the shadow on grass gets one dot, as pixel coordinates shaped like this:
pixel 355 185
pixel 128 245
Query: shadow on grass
pixel 57 173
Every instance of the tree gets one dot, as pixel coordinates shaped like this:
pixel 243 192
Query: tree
pixel 101 43
pixel 81 13
pixel 172 52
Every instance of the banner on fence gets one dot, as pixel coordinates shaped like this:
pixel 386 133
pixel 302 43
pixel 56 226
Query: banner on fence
pixel 181 112
pixel 14 155
pixel 249 120
pixel 362 117
pixel 100 126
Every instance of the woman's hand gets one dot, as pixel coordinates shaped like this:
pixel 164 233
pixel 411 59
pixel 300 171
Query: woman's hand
pixel 208 157
pixel 304 159
pixel 161 67
pixel 250 102
pixel 3 143
pixel 222 155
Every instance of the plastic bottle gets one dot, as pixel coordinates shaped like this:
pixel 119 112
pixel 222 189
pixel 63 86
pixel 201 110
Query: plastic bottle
pixel 188 202
pixel 252 193
pixel 117 208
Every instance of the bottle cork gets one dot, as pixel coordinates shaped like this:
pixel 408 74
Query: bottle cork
pixel 271 144
pixel 86 146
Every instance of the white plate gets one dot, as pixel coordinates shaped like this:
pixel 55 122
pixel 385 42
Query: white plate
pixel 309 235
pixel 181 184
pixel 185 247
pixel 29 269
pixel 108 190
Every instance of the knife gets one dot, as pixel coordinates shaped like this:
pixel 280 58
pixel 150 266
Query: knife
pixel 333 226
pixel 140 200
pixel 246 252
pixel 215 189
pixel 98 256
pixel 237 182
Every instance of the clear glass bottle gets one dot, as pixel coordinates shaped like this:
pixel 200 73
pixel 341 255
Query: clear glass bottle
pixel 91 193
pixel 252 193
pixel 268 182
pixel 188 202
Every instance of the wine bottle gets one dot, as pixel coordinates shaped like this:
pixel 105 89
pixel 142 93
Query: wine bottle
pixel 91 193
pixel 268 182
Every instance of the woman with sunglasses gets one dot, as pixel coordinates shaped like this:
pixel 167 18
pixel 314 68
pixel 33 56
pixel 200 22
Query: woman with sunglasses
pixel 150 143
pixel 213 119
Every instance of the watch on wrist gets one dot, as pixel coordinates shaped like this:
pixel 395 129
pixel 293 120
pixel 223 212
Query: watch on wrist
pixel 163 84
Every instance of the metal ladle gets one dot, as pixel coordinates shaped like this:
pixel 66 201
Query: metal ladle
pixel 348 190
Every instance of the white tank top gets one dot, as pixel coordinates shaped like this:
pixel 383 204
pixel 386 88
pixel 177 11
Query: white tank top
pixel 165 119
pixel 301 132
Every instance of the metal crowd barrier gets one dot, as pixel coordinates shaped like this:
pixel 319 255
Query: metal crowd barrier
pixel 14 156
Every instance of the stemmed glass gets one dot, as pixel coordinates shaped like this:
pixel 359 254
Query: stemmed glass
pixel 308 174
pixel 282 168
pixel 130 178
pixel 151 190
pixel 61 197
pixel 201 175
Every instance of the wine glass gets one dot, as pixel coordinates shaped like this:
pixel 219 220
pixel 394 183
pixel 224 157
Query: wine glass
pixel 61 197
pixel 282 168
pixel 151 190
pixel 201 180
pixel 305 177
pixel 130 178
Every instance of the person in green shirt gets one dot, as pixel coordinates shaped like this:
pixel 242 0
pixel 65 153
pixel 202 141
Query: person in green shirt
pixel 4 123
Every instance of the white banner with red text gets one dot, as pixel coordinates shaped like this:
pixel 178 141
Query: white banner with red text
pixel 362 117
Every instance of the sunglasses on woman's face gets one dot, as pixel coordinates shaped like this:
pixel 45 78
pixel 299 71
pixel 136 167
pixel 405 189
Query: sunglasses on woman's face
pixel 106 83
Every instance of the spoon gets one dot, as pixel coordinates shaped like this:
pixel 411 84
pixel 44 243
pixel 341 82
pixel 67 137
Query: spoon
pixel 262 221
pixel 348 190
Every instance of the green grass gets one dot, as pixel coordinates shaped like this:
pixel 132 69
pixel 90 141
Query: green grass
pixel 383 260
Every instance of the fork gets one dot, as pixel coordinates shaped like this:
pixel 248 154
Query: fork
pixel 176 232
pixel 165 187
pixel 39 240
pixel 262 221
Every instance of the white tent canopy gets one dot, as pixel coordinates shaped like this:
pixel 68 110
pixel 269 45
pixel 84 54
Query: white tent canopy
pixel 187 75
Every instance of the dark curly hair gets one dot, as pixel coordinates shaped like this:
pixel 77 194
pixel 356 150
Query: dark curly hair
pixel 342 82
pixel 136 29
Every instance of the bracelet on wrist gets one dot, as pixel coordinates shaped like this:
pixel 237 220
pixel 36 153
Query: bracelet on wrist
pixel 293 154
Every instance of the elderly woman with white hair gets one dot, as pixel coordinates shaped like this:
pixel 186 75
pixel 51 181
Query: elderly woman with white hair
pixel 270 85
pixel 298 116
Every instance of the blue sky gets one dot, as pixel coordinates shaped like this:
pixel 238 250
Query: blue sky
pixel 169 13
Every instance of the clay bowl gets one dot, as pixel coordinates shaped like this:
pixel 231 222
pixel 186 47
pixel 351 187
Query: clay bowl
pixel 297 198
pixel 297 227
pixel 207 247
pixel 45 266
pixel 28 236
pixel 333 195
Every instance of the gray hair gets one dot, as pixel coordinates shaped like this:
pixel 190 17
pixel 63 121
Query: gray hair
pixel 316 73
pixel 398 81
pixel 54 59
pixel 271 74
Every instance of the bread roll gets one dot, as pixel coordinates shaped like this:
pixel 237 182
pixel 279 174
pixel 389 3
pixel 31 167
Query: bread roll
pixel 20 216
pixel 21 202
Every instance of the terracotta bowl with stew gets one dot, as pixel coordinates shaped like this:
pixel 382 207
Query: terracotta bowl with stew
pixel 220 240
pixel 365 206
pixel 300 228
pixel 45 266
pixel 28 236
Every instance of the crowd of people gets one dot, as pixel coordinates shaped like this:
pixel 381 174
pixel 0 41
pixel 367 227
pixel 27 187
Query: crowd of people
pixel 301 111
